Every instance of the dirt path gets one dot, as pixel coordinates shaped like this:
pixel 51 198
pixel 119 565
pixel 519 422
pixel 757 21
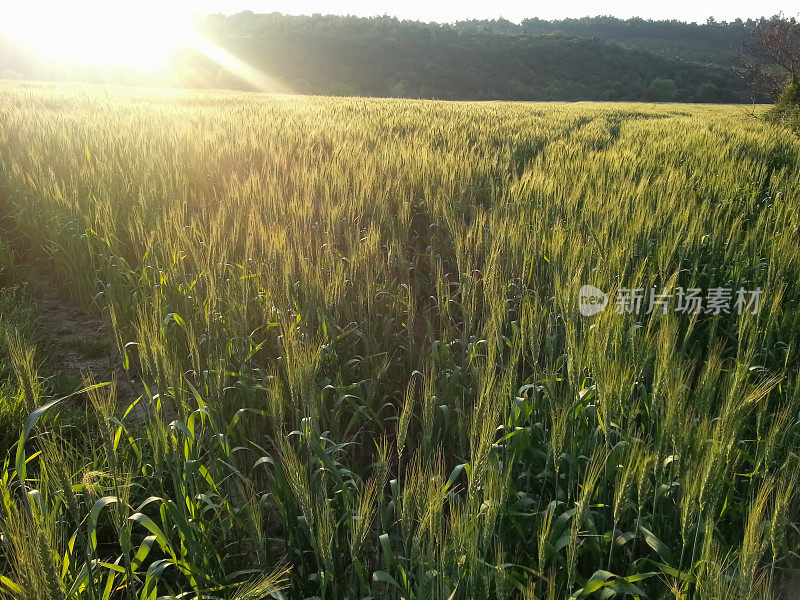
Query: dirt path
pixel 80 343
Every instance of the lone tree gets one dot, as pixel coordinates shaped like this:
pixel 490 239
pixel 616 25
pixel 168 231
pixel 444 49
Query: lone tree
pixel 773 68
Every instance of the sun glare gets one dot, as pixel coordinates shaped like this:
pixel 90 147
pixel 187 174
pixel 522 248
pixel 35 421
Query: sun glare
pixel 139 36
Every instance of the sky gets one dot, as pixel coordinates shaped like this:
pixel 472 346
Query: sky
pixel 513 10
pixel 441 11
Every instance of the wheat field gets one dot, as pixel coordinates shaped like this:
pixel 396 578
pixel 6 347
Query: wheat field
pixel 351 360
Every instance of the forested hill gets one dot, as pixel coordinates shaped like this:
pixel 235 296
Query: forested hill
pixel 711 42
pixel 383 56
pixel 387 57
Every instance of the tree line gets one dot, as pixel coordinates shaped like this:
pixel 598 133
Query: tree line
pixel 714 42
pixel 384 56
pixel 473 60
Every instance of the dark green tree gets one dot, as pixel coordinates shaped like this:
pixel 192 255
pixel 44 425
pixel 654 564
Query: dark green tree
pixel 662 90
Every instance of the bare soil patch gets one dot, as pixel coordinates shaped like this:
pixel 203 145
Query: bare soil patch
pixel 81 343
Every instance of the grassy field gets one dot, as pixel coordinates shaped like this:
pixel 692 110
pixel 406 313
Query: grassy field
pixel 350 336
